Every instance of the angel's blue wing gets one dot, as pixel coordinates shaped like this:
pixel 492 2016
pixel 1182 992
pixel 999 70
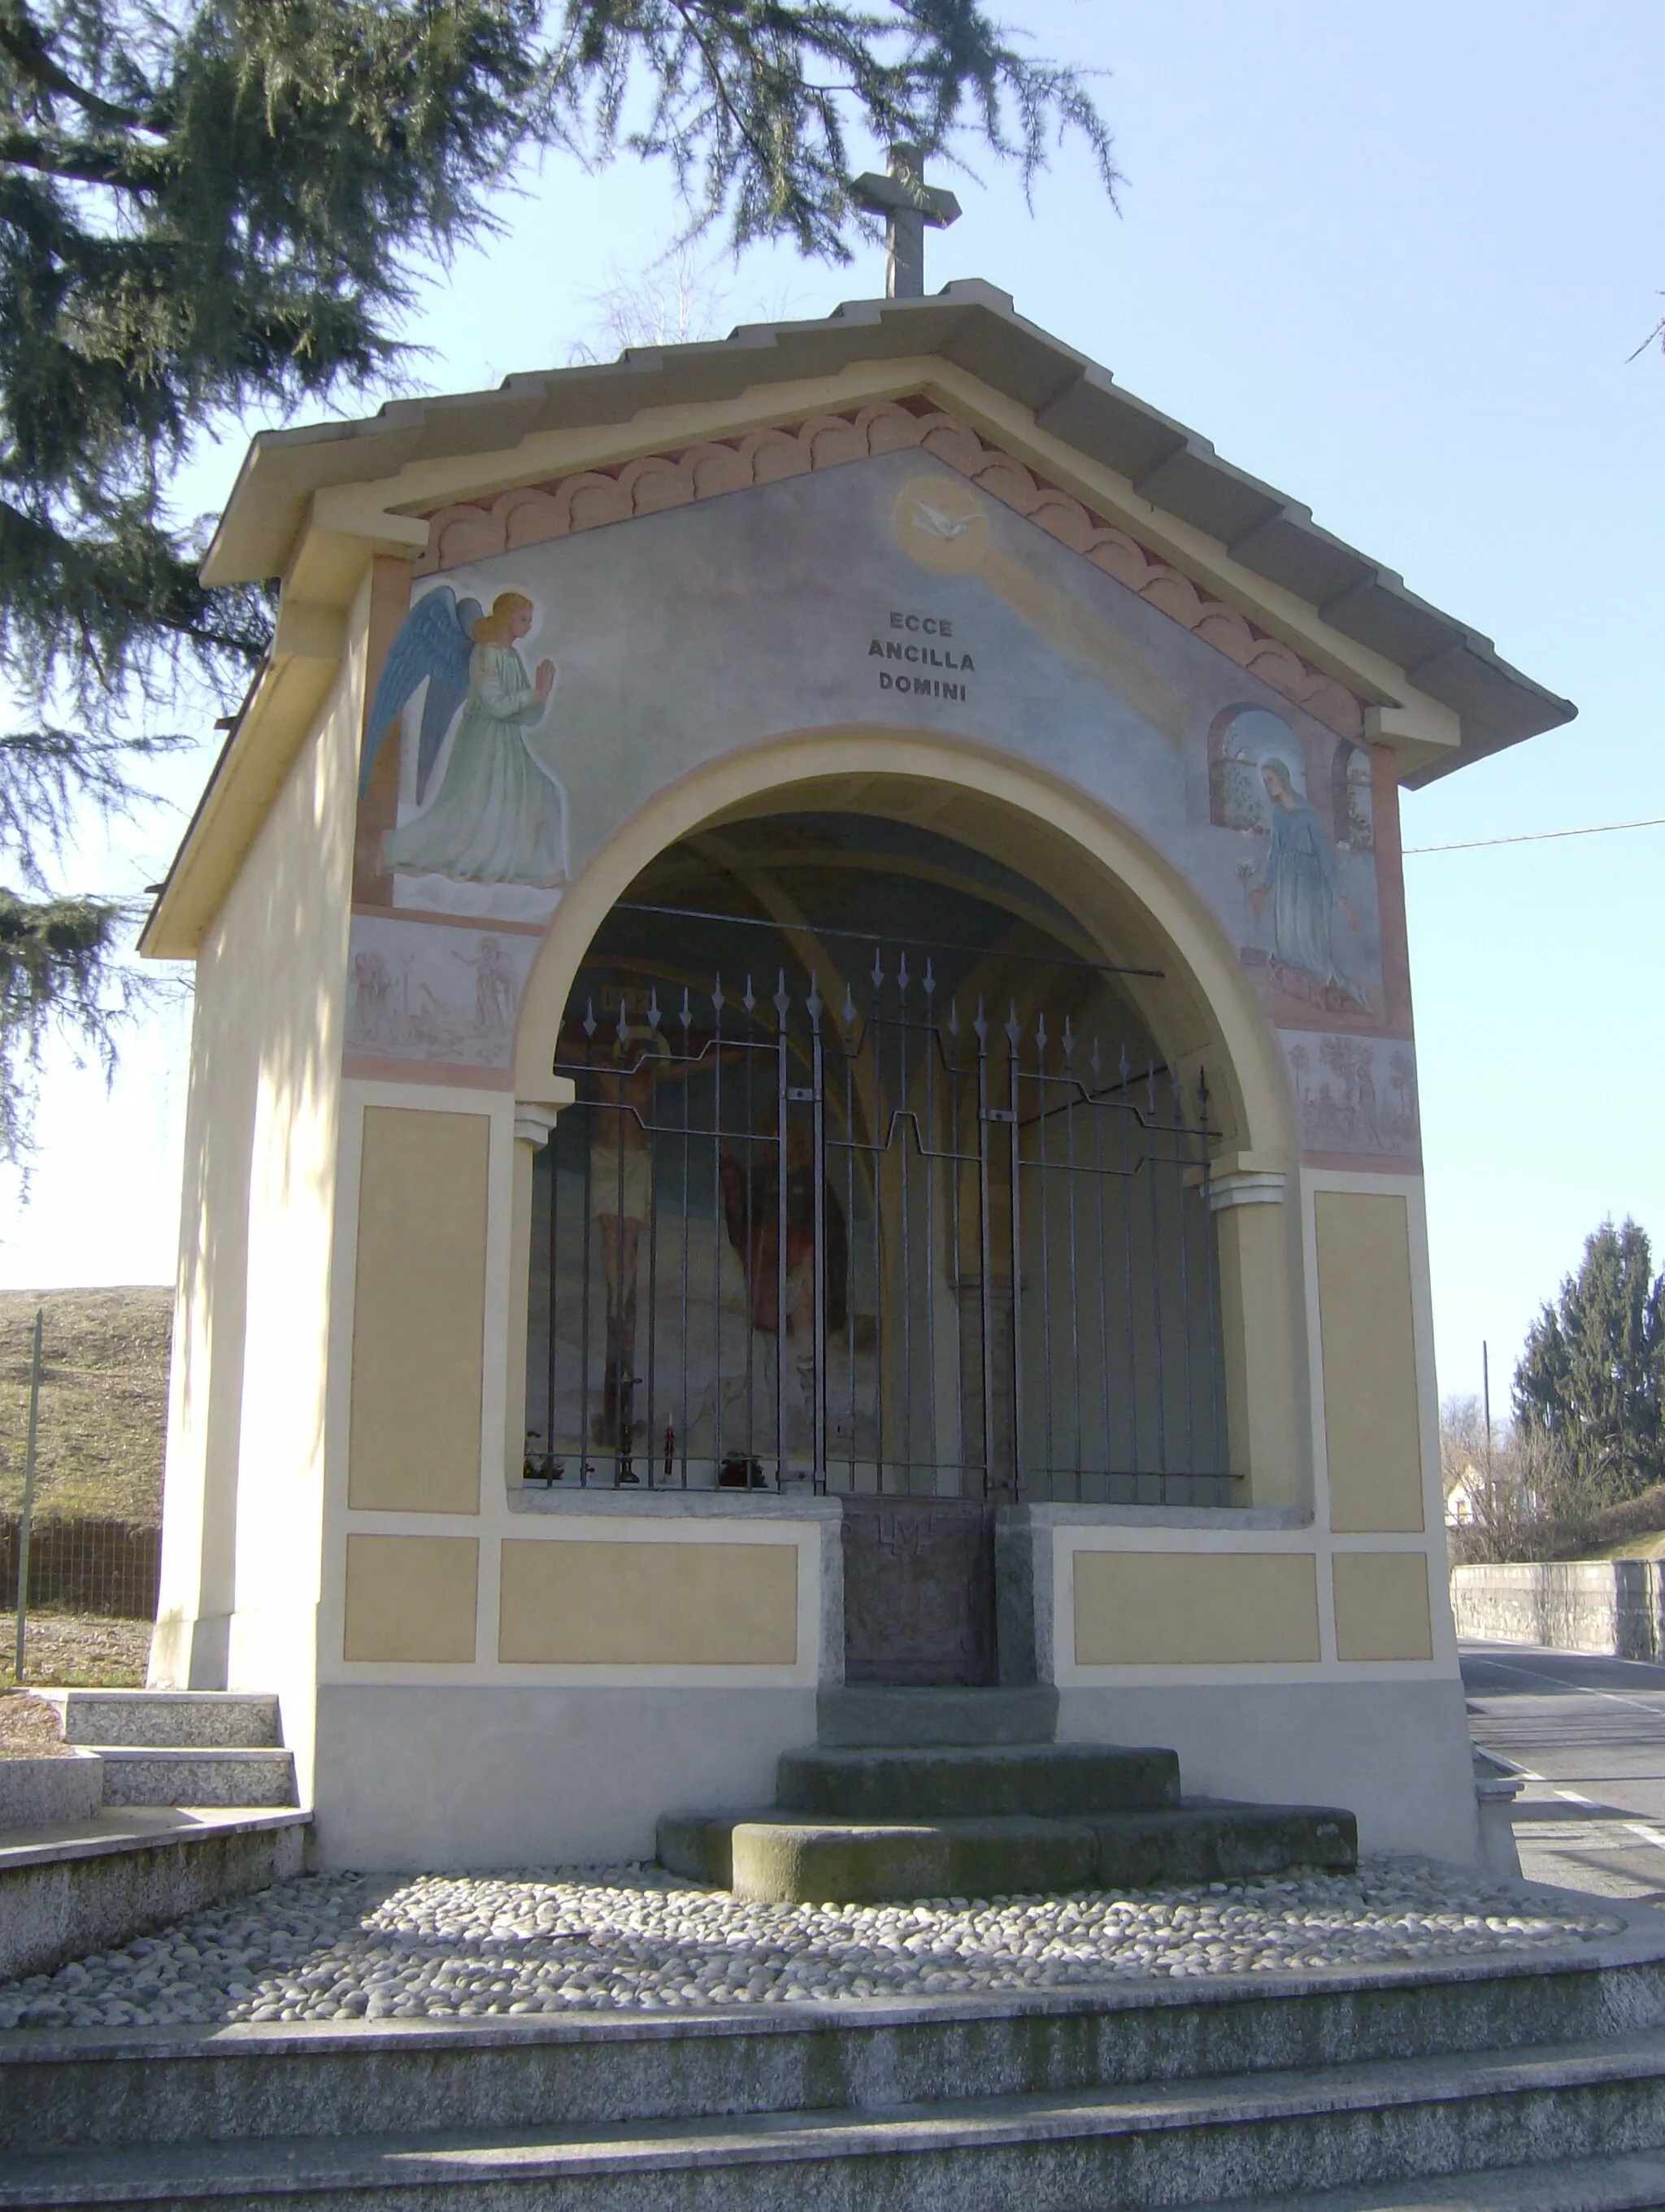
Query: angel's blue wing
pixel 432 645
pixel 445 695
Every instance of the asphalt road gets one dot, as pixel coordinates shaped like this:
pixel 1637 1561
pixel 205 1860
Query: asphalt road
pixel 1591 1733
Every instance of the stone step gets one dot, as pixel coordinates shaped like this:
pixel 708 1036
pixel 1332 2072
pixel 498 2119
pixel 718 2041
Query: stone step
pixel 204 1719
pixel 1195 2144
pixel 1211 1839
pixel 864 1714
pixel 1635 2184
pixel 1037 1781
pixel 190 1774
pixel 780 1859
pixel 62 2088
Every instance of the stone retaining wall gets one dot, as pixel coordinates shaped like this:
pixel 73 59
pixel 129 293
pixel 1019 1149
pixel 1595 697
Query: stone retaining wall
pixel 1615 1606
pixel 59 1901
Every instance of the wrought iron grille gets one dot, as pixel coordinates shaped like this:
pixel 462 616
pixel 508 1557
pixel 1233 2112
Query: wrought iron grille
pixel 892 1246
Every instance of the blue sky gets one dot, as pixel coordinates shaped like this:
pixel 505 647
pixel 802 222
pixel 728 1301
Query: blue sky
pixel 1393 261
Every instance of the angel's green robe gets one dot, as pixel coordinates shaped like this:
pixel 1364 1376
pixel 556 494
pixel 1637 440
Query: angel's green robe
pixel 499 816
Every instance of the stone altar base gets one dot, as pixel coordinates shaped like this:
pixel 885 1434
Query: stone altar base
pixel 1534 2084
pixel 943 1793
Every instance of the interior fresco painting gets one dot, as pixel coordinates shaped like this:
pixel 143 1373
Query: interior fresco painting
pixel 781 1225
pixel 571 649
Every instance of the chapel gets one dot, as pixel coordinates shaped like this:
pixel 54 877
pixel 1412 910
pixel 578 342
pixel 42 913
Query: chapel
pixel 803 1086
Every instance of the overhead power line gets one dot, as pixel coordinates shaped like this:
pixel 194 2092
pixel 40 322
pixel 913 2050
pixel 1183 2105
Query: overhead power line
pixel 1539 836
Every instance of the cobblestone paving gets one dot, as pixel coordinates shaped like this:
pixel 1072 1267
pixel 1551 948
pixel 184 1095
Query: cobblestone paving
pixel 451 1946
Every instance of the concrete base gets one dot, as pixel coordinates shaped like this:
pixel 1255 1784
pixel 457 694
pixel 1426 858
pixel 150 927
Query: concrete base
pixel 416 1776
pixel 66 1891
pixel 1397 1755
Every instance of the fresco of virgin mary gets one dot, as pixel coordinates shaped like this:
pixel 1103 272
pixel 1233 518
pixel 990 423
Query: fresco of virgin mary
pixel 1301 886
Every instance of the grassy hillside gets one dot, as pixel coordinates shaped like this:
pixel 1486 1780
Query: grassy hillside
pixel 103 1401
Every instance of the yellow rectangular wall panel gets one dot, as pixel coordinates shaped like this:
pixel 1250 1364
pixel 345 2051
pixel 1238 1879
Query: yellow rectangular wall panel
pixel 1382 1606
pixel 649 1604
pixel 419 1312
pixel 1372 1425
pixel 1195 1609
pixel 412 1598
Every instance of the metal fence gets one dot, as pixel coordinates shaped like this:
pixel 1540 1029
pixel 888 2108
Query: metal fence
pixel 891 1245
pixel 112 1568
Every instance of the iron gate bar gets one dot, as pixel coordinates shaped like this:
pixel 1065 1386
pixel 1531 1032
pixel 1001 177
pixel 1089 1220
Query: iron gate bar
pixel 1104 1313
pixel 900 1225
pixel 1015 1210
pixel 1155 1269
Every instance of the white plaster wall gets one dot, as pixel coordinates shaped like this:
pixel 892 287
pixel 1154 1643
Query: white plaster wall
pixel 189 1648
pixel 243 1497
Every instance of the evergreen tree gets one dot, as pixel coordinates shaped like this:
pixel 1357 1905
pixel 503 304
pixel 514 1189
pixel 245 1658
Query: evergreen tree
pixel 226 203
pixel 1593 1372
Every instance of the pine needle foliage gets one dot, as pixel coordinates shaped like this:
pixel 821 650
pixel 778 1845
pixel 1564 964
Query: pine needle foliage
pixel 1592 1375
pixel 217 206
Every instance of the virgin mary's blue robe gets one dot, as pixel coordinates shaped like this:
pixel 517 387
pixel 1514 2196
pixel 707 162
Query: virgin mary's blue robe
pixel 1302 888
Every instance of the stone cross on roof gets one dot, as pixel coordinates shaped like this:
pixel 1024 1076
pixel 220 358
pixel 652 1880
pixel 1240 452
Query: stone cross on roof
pixel 908 203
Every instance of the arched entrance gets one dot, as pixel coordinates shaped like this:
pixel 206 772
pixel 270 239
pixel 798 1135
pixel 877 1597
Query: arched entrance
pixel 890 1175
pixel 877 1180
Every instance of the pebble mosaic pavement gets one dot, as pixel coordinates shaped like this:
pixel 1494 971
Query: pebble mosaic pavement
pixel 451 1946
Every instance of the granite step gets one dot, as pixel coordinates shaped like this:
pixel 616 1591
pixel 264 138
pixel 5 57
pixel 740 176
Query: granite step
pixel 778 1859
pixel 191 1774
pixel 200 1719
pixel 1050 1780
pixel 857 1714
pixel 82 1886
pixel 89 2088
pixel 1634 2183
pixel 1381 2126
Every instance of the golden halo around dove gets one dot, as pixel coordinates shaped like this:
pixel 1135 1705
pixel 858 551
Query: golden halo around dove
pixel 941 523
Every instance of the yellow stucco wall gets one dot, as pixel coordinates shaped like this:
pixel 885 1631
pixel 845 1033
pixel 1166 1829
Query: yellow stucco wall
pixel 419 1312
pixel 1381 1609
pixel 1191 1609
pixel 649 1604
pixel 412 1598
pixel 1372 1421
